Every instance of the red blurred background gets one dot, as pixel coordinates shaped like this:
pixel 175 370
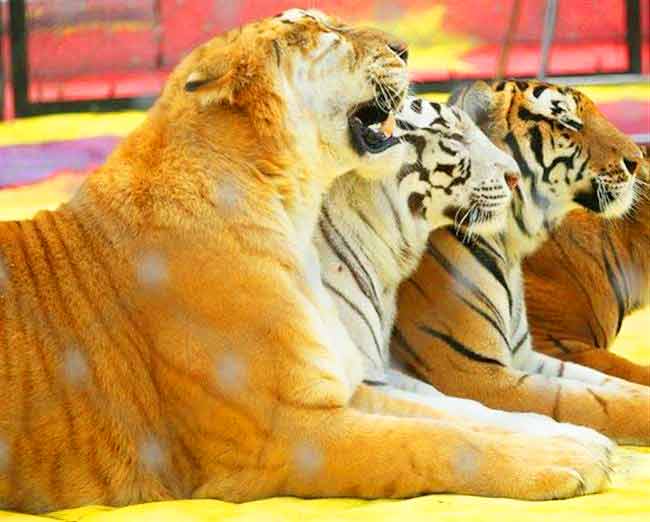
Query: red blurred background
pixel 97 49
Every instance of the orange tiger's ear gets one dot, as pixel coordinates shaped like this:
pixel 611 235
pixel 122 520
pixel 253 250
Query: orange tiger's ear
pixel 476 100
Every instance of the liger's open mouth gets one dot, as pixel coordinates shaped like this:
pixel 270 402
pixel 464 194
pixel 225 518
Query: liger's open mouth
pixel 371 128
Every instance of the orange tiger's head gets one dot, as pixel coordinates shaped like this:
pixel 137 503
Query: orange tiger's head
pixel 568 152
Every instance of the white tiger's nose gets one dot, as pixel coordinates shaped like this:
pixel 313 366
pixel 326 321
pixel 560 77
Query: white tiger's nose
pixel 512 180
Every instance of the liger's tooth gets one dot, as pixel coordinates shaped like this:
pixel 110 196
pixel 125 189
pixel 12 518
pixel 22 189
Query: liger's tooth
pixel 388 125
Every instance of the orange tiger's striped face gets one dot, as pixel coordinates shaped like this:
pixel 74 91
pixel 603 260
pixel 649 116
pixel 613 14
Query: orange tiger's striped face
pixel 567 151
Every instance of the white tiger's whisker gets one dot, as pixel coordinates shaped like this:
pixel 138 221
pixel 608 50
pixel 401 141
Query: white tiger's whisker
pixel 465 216
pixel 472 212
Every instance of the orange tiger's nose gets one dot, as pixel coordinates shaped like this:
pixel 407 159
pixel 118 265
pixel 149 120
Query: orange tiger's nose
pixel 512 180
pixel 630 165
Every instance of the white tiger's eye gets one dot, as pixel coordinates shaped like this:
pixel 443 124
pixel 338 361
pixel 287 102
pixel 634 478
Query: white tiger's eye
pixel 454 145
pixel 455 141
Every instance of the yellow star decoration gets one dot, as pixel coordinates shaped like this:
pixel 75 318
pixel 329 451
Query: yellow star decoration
pixel 430 46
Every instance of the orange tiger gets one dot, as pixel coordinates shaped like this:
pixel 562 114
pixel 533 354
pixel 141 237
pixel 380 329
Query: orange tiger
pixel 597 272
pixel 462 322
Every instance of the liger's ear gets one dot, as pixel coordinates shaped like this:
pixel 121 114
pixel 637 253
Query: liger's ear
pixel 476 99
pixel 240 73
pixel 214 78
pixel 211 88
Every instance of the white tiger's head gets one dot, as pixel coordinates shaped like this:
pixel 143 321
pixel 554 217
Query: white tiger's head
pixel 453 173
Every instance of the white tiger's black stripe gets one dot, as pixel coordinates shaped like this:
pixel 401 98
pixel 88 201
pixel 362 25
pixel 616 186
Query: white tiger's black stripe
pixel 358 312
pixel 347 255
pixel 487 256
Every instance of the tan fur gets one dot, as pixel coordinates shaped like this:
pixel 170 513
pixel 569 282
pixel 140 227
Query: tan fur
pixel 451 310
pixel 584 281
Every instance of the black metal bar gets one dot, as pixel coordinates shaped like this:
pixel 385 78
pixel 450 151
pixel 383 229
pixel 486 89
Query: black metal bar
pixel 2 62
pixel 20 78
pixel 592 79
pixel 106 105
pixel 633 25
pixel 548 33
pixel 506 46
pixel 18 37
pixel 158 32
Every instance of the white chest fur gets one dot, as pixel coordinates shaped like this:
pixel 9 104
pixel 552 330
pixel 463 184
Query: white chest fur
pixel 342 359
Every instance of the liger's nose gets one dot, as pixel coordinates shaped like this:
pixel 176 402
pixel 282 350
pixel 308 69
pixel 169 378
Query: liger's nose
pixel 400 49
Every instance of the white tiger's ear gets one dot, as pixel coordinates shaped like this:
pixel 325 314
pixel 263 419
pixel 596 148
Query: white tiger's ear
pixel 476 100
